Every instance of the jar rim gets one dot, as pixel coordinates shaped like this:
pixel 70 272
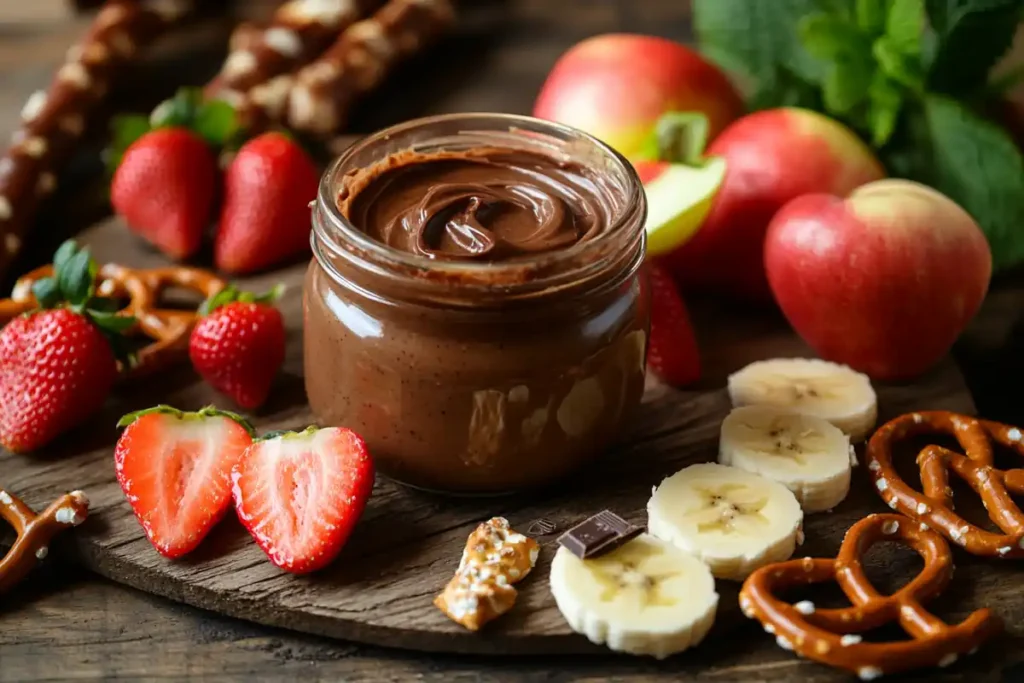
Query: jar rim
pixel 545 266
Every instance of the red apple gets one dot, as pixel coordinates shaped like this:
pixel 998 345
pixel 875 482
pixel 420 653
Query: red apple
pixel 771 157
pixel 884 280
pixel 617 86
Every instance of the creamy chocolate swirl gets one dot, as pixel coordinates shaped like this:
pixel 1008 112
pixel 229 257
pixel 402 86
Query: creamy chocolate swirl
pixel 488 204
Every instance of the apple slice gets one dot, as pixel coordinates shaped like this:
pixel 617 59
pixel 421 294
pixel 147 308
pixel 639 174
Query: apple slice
pixel 678 199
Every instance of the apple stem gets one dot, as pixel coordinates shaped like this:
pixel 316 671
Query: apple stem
pixel 681 137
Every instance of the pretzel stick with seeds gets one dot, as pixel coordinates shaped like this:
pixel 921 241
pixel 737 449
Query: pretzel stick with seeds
pixel 317 98
pixel 35 531
pixel 52 120
pixel 298 32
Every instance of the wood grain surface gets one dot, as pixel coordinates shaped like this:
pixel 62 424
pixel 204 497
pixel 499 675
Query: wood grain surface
pixel 64 625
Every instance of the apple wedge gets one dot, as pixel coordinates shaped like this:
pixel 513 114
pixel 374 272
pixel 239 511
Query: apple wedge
pixel 679 198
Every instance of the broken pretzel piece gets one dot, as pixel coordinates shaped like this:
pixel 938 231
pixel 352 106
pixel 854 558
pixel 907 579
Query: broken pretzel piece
pixel 975 466
pixel 495 557
pixel 35 531
pixel 832 635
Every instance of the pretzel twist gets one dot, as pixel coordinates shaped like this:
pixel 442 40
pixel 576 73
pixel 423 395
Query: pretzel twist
pixel 35 531
pixel 167 328
pixel 830 635
pixel 934 507
pixel 53 120
pixel 297 33
pixel 495 557
pixel 317 98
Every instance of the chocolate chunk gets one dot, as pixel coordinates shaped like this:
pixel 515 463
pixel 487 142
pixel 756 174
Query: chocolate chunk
pixel 602 533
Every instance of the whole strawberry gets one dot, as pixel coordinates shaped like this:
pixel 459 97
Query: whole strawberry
pixel 238 345
pixel 164 189
pixel 265 218
pixel 57 364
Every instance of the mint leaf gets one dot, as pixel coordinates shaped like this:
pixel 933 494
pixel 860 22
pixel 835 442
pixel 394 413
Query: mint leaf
pixel 829 37
pixel 904 26
pixel 216 122
pixel 897 65
pixel 846 86
pixel 871 16
pixel 756 41
pixel 977 164
pixel 885 103
pixel 972 36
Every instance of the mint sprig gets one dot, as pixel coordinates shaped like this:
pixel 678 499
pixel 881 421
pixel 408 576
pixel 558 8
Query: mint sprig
pixel 912 77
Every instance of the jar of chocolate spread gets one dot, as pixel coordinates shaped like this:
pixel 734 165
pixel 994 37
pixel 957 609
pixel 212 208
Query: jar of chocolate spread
pixel 475 306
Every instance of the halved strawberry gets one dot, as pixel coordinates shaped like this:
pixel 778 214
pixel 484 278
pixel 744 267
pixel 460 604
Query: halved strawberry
pixel 672 353
pixel 300 494
pixel 175 469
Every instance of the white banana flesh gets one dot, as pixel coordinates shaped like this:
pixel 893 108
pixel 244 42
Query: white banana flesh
pixel 734 521
pixel 808 455
pixel 646 598
pixel 810 386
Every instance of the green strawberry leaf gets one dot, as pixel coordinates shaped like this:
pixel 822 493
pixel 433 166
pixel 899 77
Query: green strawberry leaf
pixel 231 294
pixel 977 164
pixel 46 292
pixel 972 36
pixel 125 130
pixel 871 16
pixel 64 252
pixel 201 414
pixel 216 122
pixel 111 322
pixel 178 112
pixel 76 278
pixel 904 26
pixel 289 434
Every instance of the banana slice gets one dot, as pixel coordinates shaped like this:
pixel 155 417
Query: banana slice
pixel 809 386
pixel 808 455
pixel 645 598
pixel 734 521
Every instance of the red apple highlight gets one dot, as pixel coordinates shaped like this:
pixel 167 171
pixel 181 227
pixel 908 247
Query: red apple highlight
pixel 771 157
pixel 884 280
pixel 617 86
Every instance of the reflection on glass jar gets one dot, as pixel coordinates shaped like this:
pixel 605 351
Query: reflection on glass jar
pixel 470 374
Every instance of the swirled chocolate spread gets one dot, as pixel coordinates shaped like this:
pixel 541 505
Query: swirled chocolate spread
pixel 487 204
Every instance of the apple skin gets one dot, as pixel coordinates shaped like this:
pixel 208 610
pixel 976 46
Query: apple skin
pixel 616 87
pixel 771 157
pixel 884 280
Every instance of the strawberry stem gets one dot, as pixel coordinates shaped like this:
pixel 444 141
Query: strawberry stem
pixel 201 414
pixel 231 294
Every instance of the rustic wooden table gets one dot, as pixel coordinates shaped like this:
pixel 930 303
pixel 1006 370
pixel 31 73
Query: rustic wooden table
pixel 63 625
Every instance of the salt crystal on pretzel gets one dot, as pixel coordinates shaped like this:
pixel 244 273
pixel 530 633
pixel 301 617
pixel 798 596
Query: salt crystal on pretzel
pixel 53 119
pixel 318 97
pixel 168 329
pixel 495 557
pixel 934 506
pixel 832 635
pixel 34 532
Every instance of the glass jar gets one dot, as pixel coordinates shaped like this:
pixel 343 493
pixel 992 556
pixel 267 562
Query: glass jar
pixel 472 377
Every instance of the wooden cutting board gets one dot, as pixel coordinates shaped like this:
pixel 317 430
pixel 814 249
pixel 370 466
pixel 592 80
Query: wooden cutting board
pixel 407 545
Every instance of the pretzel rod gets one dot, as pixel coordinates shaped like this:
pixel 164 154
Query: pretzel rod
pixel 298 32
pixel 830 635
pixel 495 557
pixel 318 97
pixel 168 329
pixel 54 119
pixel 35 532
pixel 934 506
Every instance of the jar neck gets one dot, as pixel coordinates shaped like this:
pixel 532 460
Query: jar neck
pixel 349 255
